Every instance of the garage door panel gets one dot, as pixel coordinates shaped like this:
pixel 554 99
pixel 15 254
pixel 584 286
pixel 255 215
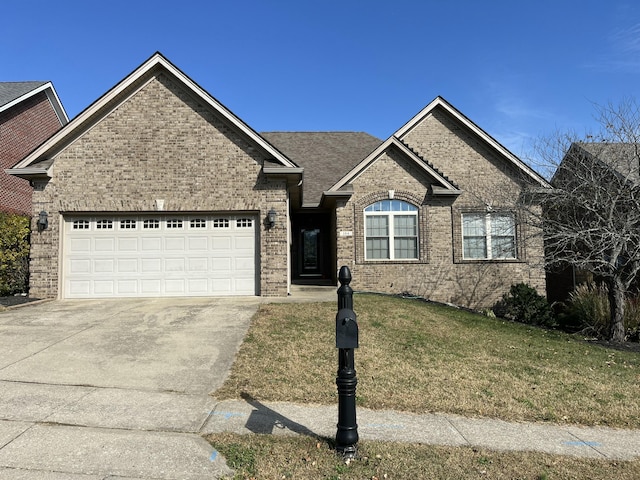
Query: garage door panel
pixel 127 244
pixel 127 287
pixel 221 265
pixel 80 245
pixel 198 285
pixel 159 256
pixel 151 265
pixel 223 243
pixel 245 285
pixel 174 265
pixel 80 287
pixel 175 243
pixel 104 287
pixel 151 244
pixel 80 266
pixel 197 264
pixel 104 265
pixel 127 265
pixel 244 263
pixel 151 286
pixel 198 243
pixel 221 285
pixel 104 245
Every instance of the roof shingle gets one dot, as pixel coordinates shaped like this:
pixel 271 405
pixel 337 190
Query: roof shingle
pixel 9 91
pixel 325 156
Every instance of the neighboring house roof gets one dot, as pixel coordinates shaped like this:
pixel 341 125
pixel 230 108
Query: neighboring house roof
pixel 10 91
pixel 38 162
pixel 487 139
pixel 13 93
pixel 325 156
pixel 624 158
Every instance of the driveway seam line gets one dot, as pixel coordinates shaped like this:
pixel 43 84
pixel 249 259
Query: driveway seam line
pixel 33 354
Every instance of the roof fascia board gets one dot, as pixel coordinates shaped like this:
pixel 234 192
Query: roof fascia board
pixel 373 156
pixel 492 142
pixel 148 68
pixel 283 170
pixel 52 95
pixel 27 173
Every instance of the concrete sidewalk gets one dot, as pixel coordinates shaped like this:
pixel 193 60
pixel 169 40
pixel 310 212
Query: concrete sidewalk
pixel 252 416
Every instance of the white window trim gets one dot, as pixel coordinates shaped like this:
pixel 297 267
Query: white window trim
pixel 391 233
pixel 488 236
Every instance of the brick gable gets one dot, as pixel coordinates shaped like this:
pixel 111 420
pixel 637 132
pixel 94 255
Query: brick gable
pixel 161 143
pixel 22 128
pixel 439 273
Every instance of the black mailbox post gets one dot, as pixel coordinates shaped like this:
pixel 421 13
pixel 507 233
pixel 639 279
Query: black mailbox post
pixel 346 342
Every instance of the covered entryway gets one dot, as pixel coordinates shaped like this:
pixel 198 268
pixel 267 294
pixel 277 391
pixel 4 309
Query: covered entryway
pixel 159 255
pixel 312 251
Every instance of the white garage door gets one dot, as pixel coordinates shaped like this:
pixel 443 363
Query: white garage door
pixel 158 256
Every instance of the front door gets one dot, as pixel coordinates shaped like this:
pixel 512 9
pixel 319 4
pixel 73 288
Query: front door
pixel 311 251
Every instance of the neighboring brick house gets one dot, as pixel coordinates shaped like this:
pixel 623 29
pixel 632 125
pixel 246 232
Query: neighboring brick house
pixel 157 189
pixel 593 234
pixel 30 112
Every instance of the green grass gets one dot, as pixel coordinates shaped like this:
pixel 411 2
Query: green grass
pixel 421 358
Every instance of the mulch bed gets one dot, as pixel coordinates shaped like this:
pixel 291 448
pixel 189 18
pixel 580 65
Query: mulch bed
pixel 16 300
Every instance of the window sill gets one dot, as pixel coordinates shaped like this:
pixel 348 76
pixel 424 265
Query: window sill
pixel 491 260
pixel 411 261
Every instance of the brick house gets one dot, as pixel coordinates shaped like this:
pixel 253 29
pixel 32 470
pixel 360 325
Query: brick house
pixel 30 112
pixel 157 189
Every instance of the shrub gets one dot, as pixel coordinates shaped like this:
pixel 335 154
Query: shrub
pixel 14 253
pixel 524 304
pixel 588 310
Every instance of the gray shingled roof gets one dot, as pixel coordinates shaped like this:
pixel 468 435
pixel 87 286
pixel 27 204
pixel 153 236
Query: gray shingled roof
pixel 622 157
pixel 9 91
pixel 325 156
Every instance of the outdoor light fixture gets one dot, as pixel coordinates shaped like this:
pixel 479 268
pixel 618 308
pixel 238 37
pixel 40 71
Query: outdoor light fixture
pixel 42 221
pixel 271 218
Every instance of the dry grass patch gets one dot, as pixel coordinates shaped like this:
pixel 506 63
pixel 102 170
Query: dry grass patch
pixel 268 456
pixel 419 357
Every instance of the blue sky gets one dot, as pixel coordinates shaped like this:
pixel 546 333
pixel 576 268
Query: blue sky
pixel 520 70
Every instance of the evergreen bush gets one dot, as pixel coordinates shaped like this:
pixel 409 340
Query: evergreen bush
pixel 14 253
pixel 523 304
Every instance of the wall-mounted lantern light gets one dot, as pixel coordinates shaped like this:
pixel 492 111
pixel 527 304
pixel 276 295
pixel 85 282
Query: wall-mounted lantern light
pixel 271 218
pixel 43 221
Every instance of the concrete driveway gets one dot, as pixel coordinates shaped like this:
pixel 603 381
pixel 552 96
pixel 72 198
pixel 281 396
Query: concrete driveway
pixel 114 387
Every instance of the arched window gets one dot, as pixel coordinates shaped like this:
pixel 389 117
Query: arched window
pixel 391 231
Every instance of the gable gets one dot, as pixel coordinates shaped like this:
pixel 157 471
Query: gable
pixel 110 102
pixel 439 184
pixel 396 171
pixel 160 136
pixel 462 156
pixel 456 132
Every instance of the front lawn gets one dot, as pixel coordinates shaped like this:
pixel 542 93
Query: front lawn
pixel 419 357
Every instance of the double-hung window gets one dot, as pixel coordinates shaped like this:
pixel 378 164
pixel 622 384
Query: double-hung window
pixel 489 236
pixel 391 231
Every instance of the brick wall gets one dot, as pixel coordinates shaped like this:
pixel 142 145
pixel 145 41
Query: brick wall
pixel 160 144
pixel 22 128
pixel 440 273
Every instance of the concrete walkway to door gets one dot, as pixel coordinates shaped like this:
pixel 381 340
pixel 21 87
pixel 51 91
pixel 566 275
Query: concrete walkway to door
pixel 100 389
